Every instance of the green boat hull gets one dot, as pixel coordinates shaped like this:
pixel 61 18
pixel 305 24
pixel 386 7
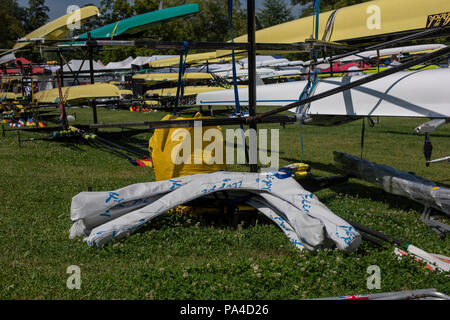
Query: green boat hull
pixel 136 24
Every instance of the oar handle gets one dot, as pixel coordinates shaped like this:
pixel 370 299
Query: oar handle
pixel 376 233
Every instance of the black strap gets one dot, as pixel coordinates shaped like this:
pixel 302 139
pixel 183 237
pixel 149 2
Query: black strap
pixel 363 131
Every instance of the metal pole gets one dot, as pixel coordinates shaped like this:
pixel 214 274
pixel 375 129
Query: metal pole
pixel 61 66
pixel 378 60
pixel 252 75
pixel 62 109
pixel 187 123
pixel 91 69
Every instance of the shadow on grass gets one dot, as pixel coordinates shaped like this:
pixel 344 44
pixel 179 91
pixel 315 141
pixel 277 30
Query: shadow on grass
pixel 73 146
pixel 209 217
pixel 439 135
pixel 375 194
pixel 127 139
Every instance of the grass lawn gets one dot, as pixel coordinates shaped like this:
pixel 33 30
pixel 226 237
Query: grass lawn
pixel 187 257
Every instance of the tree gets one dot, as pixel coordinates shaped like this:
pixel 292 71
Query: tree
pixel 11 16
pixel 36 15
pixel 89 24
pixel 274 12
pixel 114 10
pixel 325 5
pixel 209 24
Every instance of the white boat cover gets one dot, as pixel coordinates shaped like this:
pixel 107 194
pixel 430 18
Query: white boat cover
pixel 75 66
pixel 264 61
pixel 128 62
pixel 104 216
pixel 124 64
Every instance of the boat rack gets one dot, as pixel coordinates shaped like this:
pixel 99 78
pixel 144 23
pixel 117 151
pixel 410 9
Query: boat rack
pixel 251 47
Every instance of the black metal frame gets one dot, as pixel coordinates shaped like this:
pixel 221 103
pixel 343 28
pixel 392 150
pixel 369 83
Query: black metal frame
pixel 252 47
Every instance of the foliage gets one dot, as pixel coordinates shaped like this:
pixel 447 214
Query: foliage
pixel 325 5
pixel 36 15
pixel 274 12
pixel 209 24
pixel 11 16
pixel 115 10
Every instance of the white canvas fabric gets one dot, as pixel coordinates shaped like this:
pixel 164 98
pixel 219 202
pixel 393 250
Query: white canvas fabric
pixel 124 64
pixel 104 216
pixel 76 64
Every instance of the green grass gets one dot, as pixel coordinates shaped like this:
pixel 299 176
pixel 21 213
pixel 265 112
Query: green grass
pixel 187 257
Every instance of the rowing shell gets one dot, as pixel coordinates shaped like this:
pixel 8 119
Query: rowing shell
pixel 420 93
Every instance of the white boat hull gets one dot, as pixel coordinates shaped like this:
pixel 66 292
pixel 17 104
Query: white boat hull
pixel 423 93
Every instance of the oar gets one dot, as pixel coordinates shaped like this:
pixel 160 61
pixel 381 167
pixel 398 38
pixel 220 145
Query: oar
pixel 135 162
pixel 433 260
pixel 441 160
pixel 146 162
pixel 136 153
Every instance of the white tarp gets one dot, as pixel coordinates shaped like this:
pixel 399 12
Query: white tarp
pixel 104 216
pixel 124 64
pixel 264 61
pixel 139 61
pixel 75 65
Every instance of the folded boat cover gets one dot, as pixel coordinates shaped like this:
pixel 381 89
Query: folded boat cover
pixel 104 216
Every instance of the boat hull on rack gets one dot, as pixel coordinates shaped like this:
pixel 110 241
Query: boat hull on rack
pixel 422 93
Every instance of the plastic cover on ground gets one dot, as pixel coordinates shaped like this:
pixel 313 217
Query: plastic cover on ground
pixel 396 182
pixel 308 224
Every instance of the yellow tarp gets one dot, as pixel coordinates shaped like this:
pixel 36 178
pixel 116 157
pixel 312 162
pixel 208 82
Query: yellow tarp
pixel 59 28
pixel 173 77
pixel 368 19
pixel 188 91
pixel 85 92
pixel 162 147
